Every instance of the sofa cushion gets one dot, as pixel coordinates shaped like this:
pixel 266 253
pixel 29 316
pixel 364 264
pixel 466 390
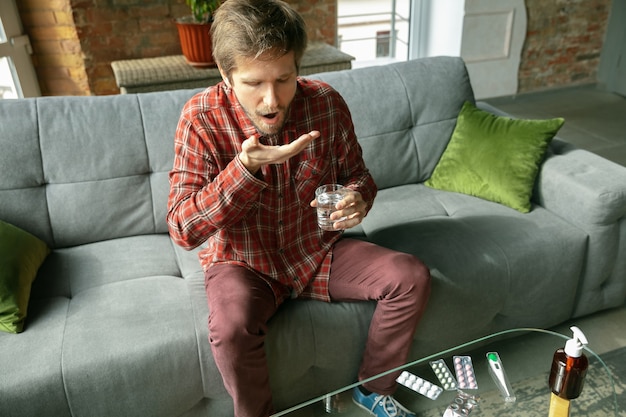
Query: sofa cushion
pixel 31 363
pixel 494 157
pixel 117 315
pixel 417 103
pixel 483 258
pixel 21 255
pixel 136 341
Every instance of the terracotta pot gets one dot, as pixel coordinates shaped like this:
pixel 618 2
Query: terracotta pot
pixel 195 41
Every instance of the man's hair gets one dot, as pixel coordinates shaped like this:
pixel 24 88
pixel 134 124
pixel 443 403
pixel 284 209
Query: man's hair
pixel 251 28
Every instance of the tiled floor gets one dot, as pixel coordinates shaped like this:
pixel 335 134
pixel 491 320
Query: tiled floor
pixel 594 119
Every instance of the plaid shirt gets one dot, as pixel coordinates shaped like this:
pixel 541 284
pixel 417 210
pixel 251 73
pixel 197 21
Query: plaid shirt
pixel 263 222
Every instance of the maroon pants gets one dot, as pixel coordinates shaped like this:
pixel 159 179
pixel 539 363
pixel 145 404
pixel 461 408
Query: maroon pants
pixel 241 304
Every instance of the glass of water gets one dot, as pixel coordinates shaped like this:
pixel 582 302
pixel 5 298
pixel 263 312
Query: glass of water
pixel 327 197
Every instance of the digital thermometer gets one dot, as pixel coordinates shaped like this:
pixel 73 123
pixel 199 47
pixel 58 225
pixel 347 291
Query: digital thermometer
pixel 496 370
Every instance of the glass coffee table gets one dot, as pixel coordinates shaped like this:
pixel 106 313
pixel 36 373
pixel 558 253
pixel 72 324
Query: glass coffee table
pixel 526 355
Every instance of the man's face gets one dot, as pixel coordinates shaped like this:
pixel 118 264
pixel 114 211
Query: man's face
pixel 265 87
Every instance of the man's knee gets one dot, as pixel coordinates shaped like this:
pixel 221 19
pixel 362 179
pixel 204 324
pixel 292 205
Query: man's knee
pixel 235 325
pixel 412 273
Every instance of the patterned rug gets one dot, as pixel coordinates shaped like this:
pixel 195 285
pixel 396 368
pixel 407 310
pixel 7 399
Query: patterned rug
pixel 533 397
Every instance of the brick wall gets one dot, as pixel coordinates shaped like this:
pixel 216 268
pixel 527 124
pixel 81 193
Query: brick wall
pixel 122 29
pixel 74 41
pixel 563 43
pixel 58 56
pixel 320 17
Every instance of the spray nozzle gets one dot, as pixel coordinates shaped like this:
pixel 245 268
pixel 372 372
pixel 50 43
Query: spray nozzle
pixel 574 346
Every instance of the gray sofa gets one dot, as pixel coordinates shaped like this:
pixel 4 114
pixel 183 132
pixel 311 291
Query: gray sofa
pixel 117 320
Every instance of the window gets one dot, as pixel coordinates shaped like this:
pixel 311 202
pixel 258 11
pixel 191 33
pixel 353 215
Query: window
pixel 383 38
pixel 17 74
pixel 382 31
pixel 8 87
pixel 374 31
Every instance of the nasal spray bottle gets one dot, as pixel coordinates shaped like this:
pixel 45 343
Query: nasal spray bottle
pixel 569 367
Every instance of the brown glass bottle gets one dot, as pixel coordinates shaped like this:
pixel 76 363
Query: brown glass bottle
pixel 567 374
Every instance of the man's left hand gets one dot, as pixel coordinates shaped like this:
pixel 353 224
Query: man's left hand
pixel 352 208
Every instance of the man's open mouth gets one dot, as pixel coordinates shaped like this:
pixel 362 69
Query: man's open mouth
pixel 270 117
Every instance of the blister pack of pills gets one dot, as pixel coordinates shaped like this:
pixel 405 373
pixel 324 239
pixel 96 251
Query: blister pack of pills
pixel 446 378
pixel 465 376
pixel 419 385
pixel 462 405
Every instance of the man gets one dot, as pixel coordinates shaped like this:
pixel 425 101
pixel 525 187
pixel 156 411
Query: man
pixel 250 153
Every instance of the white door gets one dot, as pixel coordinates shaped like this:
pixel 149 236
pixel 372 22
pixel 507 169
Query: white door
pixel 17 74
pixel 492 40
pixel 487 34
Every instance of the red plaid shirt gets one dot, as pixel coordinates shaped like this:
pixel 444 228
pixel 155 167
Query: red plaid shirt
pixel 264 221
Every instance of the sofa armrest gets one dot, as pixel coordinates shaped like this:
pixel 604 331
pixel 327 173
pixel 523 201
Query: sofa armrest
pixel 580 186
pixel 577 185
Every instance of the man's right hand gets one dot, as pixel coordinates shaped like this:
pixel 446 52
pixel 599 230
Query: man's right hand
pixel 254 154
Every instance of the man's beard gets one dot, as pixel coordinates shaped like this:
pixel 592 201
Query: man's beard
pixel 258 120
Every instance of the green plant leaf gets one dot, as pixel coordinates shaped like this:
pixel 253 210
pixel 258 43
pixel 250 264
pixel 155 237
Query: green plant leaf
pixel 202 10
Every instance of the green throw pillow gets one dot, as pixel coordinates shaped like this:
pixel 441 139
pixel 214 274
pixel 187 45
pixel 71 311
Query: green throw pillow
pixel 493 157
pixel 21 255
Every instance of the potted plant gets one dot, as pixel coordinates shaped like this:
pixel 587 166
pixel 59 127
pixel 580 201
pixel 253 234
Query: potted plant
pixel 194 32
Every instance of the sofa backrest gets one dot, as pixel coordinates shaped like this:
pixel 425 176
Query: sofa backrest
pixel 404 114
pixel 76 170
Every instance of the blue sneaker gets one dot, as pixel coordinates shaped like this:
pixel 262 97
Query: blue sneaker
pixel 380 405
